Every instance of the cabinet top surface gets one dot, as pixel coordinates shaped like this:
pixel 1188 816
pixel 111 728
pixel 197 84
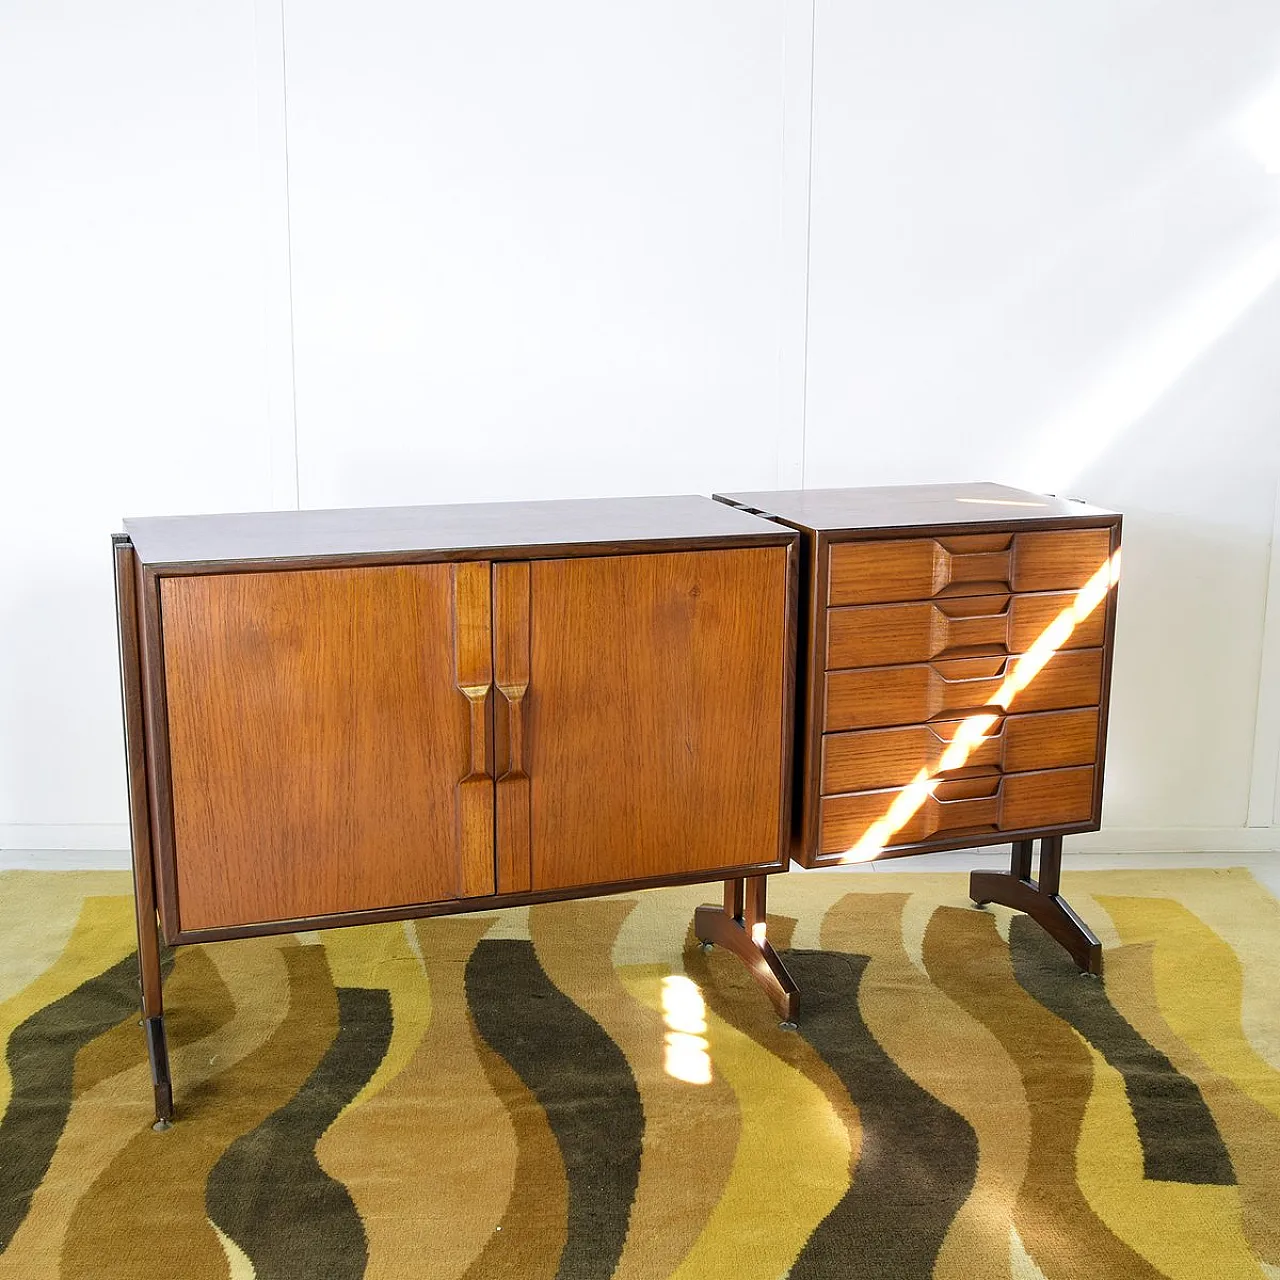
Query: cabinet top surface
pixel 463 527
pixel 912 506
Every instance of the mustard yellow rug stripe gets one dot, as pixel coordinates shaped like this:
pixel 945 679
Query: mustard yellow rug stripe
pixel 117 1234
pixel 438 1112
pixel 1249 1130
pixel 952 1056
pixel 103 935
pixel 793 1155
pixel 1199 986
pixel 378 956
pixel 671 1208
pixel 1244 915
pixel 38 910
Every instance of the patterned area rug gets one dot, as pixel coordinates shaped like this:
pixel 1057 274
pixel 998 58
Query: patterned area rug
pixel 577 1091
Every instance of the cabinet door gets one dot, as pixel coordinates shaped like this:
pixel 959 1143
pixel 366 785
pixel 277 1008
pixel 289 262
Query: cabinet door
pixel 656 711
pixel 329 740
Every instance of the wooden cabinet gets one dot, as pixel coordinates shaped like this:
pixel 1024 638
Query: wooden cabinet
pixel 338 717
pixel 956 659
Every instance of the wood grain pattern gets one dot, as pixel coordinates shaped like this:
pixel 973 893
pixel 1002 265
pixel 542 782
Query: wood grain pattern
pixel 892 634
pixel 317 739
pixel 882 696
pixel 473 678
pixel 978 806
pixel 656 713
pixel 889 571
pixel 873 758
pixel 511 673
pixel 1053 561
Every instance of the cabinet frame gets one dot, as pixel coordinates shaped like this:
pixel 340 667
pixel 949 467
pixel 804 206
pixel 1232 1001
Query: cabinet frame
pixel 150 772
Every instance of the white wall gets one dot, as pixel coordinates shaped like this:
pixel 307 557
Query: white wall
pixel 581 249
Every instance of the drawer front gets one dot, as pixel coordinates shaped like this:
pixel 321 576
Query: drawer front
pixel 876 758
pixel 943 689
pixel 886 572
pixel 865 823
pixel 891 634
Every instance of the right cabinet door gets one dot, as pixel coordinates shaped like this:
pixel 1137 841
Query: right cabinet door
pixel 649 698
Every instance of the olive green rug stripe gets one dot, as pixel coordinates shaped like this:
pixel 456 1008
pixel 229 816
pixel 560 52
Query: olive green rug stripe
pixel 107 1112
pixel 268 1192
pixel 918 1157
pixel 582 1081
pixel 1224 1072
pixel 1180 1141
pixel 528 1242
pixel 966 956
pixel 145 1214
pixel 41 1054
pixel 678 1114
pixel 948 1054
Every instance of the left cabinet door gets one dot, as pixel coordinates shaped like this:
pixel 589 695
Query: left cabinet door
pixel 329 736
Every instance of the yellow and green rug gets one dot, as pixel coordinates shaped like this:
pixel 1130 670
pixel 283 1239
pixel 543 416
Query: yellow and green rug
pixel 577 1092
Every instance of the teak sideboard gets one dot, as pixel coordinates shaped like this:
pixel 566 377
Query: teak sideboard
pixel 341 717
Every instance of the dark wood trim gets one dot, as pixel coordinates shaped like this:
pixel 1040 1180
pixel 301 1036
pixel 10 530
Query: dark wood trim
pixel 136 763
pixel 1108 661
pixel 739 926
pixel 557 551
pixel 466 906
pixel 156 712
pixel 811 714
pixel 149 975
pixel 791 682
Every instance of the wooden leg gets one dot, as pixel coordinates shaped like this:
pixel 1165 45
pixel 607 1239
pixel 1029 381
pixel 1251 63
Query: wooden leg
pixel 1040 899
pixel 739 926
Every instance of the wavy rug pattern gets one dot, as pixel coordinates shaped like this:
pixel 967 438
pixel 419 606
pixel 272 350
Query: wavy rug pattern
pixel 576 1091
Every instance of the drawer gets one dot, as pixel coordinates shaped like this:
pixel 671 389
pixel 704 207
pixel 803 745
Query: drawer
pixel 985 804
pixel 874 758
pixel 879 697
pixel 885 572
pixel 884 634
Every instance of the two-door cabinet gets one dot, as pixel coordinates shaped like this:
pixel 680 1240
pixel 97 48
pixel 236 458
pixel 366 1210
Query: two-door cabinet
pixel 335 717
pixel 956 645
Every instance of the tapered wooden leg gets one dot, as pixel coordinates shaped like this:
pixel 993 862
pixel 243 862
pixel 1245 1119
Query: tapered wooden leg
pixel 144 887
pixel 739 926
pixel 1040 899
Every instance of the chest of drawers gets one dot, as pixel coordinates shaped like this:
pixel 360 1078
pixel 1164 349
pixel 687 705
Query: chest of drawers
pixel 955 667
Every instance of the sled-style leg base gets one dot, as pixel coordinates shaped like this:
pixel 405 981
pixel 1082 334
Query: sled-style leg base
pixel 1040 899
pixel 739 926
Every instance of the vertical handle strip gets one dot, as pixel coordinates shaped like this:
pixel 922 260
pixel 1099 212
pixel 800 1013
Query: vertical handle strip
pixel 473 675
pixel 511 638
